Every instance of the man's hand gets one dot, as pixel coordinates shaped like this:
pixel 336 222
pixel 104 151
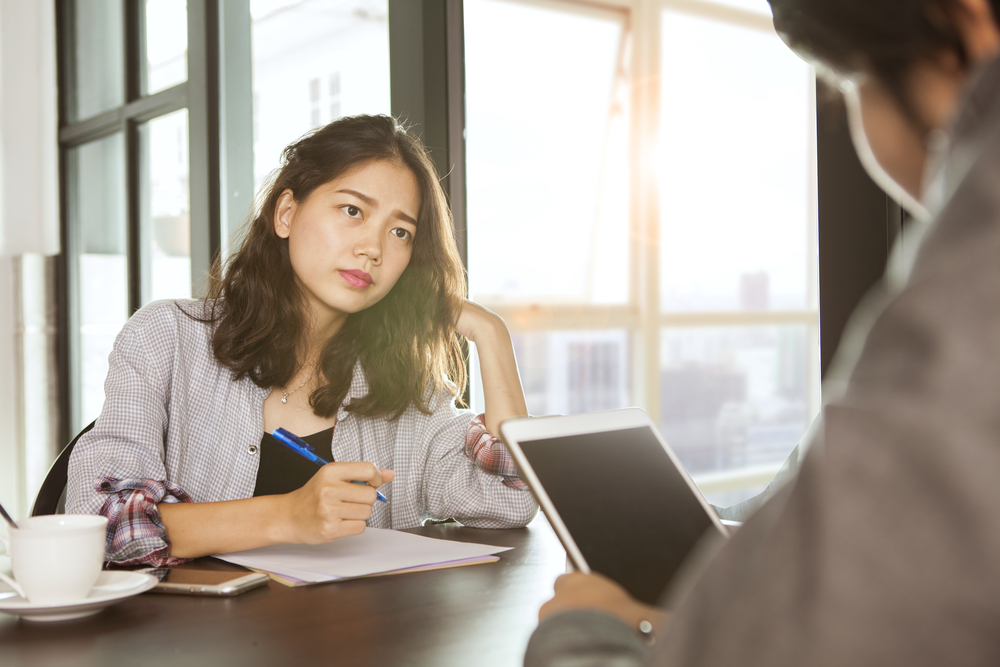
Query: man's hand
pixel 595 591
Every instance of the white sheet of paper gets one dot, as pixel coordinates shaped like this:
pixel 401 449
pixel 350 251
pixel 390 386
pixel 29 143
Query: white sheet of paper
pixel 375 550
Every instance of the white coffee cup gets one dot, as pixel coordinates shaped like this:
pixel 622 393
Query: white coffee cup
pixel 56 558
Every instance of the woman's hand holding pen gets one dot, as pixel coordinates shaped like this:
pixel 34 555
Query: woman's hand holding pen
pixel 330 505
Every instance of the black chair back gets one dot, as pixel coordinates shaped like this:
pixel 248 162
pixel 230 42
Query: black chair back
pixel 51 498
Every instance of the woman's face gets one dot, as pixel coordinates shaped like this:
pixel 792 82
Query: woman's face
pixel 351 239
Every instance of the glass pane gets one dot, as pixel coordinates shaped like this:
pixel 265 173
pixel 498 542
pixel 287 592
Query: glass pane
pixel 166 45
pixel 166 220
pixel 98 246
pixel 569 372
pixel 736 162
pixel 97 58
pixel 313 62
pixel 547 152
pixel 735 397
pixel 757 6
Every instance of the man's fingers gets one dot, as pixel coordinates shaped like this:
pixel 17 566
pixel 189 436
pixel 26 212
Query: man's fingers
pixel 567 581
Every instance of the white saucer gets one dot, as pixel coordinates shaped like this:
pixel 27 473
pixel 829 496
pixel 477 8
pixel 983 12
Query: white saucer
pixel 111 587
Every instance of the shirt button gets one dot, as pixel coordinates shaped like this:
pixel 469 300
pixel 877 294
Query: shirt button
pixel 252 449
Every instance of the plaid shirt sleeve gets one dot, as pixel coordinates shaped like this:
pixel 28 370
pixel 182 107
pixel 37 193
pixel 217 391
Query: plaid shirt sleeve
pixel 136 534
pixel 489 454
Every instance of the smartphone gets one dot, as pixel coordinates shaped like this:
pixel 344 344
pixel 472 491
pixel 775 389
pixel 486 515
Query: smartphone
pixel 190 581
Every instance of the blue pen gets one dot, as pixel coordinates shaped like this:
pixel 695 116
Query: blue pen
pixel 302 448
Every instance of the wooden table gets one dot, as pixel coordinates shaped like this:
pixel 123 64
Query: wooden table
pixel 477 616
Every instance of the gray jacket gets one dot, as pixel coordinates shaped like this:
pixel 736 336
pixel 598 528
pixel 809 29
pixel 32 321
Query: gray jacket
pixel 886 548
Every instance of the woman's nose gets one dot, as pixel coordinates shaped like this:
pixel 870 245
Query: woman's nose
pixel 369 245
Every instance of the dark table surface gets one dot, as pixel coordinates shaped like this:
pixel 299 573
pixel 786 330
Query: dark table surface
pixel 480 616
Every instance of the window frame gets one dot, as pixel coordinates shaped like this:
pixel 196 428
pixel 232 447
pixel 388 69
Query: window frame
pixel 642 316
pixel 196 94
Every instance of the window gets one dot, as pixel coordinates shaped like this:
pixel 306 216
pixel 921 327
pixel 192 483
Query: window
pixel 126 159
pixel 677 273
pixel 97 249
pixel 736 179
pixel 548 194
pixel 314 61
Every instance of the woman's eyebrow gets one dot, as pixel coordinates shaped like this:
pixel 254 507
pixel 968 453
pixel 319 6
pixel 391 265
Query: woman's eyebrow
pixel 406 218
pixel 371 201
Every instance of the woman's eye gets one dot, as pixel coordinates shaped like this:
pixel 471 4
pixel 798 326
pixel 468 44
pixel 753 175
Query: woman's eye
pixel 352 211
pixel 401 233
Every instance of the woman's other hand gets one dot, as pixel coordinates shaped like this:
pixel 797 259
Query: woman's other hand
pixel 595 591
pixel 502 391
pixel 475 321
pixel 330 506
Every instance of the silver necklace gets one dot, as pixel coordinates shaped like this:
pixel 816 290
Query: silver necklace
pixel 286 394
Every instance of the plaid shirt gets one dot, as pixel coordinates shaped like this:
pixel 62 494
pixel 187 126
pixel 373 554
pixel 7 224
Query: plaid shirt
pixel 133 519
pixel 176 427
pixel 489 454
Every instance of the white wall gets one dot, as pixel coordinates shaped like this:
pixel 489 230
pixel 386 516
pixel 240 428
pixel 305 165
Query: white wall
pixel 28 204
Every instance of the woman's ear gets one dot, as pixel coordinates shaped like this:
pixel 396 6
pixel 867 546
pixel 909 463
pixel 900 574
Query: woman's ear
pixel 977 26
pixel 283 213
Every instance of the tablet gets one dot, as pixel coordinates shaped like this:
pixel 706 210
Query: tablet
pixel 615 494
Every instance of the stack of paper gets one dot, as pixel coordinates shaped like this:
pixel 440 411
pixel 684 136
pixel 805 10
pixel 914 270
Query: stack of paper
pixel 374 552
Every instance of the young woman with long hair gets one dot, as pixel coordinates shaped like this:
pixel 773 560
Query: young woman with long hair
pixel 336 319
pixel 884 549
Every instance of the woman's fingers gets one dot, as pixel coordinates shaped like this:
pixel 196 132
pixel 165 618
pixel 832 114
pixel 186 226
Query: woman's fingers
pixel 341 491
pixel 349 528
pixel 359 471
pixel 336 502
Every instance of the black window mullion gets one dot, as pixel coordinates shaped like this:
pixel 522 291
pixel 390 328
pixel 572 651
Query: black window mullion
pixel 134 173
pixel 64 303
pixel 133 12
pixel 203 138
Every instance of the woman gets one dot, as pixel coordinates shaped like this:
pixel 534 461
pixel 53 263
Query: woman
pixel 336 320
pixel 884 551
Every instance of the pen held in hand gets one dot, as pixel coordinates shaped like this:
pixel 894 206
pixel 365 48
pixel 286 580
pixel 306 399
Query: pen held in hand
pixel 302 448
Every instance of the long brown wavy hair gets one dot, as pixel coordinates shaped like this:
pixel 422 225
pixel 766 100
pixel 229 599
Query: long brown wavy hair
pixel 406 343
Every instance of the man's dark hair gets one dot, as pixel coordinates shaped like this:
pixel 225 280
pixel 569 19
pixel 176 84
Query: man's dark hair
pixel 883 38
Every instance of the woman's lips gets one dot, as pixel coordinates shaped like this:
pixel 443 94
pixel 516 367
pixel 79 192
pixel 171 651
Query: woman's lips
pixel 358 279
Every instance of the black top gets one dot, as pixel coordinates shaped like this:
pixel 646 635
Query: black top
pixel 282 471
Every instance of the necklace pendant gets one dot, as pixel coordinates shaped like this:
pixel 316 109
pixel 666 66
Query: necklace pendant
pixel 284 399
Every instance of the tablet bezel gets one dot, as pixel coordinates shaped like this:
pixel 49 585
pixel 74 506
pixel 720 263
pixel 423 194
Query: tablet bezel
pixel 513 431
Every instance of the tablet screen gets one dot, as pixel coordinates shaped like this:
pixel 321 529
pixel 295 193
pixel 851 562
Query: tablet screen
pixel 628 508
